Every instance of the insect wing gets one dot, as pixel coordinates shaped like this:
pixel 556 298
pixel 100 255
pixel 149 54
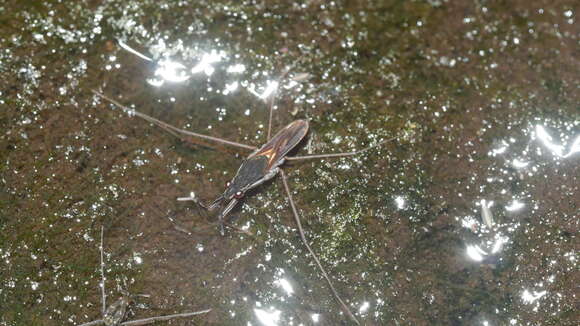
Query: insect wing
pixel 283 142
pixel 257 166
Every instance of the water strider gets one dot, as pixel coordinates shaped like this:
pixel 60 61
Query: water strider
pixel 260 166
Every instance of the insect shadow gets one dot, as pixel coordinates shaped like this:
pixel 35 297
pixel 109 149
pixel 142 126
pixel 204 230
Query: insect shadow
pixel 261 165
pixel 116 312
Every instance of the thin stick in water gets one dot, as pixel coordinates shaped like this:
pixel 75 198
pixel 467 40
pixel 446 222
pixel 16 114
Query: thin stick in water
pixel 132 322
pixel 103 272
pixel 150 320
pixel 94 322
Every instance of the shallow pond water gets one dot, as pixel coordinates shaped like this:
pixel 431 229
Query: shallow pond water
pixel 468 217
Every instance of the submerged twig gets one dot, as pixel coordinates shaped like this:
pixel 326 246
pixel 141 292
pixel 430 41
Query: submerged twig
pixel 162 318
pixel 150 320
pixel 103 272
pixel 94 322
pixel 107 318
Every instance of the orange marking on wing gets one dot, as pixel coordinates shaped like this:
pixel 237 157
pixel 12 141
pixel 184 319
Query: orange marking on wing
pixel 269 153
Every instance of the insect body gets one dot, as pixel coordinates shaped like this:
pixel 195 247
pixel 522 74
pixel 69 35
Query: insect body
pixel 260 166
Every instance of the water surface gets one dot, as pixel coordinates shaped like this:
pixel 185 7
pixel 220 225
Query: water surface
pixel 469 217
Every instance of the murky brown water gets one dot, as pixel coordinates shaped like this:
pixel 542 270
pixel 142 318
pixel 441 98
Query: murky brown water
pixel 469 217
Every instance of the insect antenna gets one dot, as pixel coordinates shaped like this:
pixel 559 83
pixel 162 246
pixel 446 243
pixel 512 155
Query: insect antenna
pixel 272 99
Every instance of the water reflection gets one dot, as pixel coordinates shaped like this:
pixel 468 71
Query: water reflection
pixel 491 239
pixel 554 147
pixel 515 205
pixel 489 248
pixel 400 202
pixel 269 89
pixel 236 68
pixel 168 70
pixel 286 286
pixel 530 297
pixel 205 64
pixel 364 307
pixel 501 149
pixel 315 318
pixel 230 88
pixel 133 51
pixel 269 317
pixel 519 164
pixel 171 71
pixel 486 214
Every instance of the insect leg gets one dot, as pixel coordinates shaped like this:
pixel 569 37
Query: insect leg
pixel 225 212
pixel 172 129
pixel 192 197
pixel 333 155
pixel 301 231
